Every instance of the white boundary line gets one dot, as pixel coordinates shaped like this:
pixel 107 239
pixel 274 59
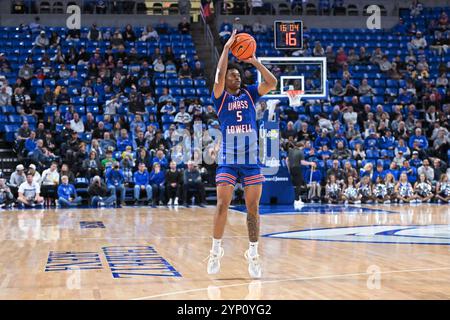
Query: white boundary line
pixel 288 280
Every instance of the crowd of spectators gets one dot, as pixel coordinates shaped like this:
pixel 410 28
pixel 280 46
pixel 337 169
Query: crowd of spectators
pixel 126 140
pixel 361 139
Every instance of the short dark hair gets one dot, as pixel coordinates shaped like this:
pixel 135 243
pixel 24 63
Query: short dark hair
pixel 235 66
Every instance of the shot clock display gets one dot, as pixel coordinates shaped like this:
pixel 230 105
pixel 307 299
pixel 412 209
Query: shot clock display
pixel 288 35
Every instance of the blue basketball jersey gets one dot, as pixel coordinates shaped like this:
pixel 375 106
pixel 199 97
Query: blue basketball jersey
pixel 237 118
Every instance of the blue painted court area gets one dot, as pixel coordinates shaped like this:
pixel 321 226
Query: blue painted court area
pixel 314 208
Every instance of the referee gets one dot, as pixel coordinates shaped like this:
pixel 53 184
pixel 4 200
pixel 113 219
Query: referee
pixel 294 161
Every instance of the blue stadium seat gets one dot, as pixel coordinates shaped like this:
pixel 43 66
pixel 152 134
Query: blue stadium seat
pixel 199 83
pixel 167 119
pixel 188 92
pixel 77 100
pixel 81 110
pixel 366 100
pixel 8 110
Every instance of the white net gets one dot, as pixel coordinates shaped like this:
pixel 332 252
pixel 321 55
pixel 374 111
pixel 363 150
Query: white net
pixel 295 97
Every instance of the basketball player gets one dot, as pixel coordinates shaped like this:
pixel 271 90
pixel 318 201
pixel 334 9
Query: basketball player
pixel 235 105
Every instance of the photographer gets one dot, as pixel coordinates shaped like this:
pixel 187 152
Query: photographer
pixel 115 181
pixel 100 194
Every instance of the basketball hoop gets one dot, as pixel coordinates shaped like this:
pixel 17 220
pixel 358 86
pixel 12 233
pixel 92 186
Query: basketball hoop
pixel 295 97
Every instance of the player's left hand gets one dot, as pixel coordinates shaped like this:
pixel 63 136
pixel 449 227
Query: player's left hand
pixel 251 60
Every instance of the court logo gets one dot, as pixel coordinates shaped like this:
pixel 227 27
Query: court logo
pixel 373 22
pixel 407 234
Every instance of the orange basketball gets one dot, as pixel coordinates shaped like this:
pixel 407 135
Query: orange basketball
pixel 244 46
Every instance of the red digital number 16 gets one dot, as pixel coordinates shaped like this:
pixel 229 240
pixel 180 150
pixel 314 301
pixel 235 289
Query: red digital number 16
pixel 291 40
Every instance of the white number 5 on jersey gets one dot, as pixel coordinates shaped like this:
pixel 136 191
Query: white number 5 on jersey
pixel 239 115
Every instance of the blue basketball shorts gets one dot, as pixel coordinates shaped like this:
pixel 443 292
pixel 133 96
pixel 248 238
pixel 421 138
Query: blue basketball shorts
pixel 247 175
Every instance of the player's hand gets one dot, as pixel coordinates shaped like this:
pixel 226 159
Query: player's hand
pixel 251 60
pixel 231 40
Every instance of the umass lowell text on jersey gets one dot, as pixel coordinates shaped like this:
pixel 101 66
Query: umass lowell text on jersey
pixel 237 117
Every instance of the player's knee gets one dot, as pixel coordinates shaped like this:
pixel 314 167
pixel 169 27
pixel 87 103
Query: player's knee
pixel 253 208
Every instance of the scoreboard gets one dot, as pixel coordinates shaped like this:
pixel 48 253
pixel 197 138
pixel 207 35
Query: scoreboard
pixel 288 35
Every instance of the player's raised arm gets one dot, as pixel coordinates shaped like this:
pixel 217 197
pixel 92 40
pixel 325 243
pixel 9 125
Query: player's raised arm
pixel 219 82
pixel 269 81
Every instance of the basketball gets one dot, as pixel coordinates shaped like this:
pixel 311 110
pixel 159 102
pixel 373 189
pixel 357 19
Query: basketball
pixel 244 47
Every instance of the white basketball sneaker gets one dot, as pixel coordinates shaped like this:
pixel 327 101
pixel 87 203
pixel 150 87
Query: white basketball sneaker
pixel 175 203
pixel 298 203
pixel 214 261
pixel 254 267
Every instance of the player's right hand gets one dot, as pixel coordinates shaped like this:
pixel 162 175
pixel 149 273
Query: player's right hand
pixel 231 40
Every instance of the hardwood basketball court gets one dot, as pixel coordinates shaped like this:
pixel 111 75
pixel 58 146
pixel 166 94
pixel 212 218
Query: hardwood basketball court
pixel 145 253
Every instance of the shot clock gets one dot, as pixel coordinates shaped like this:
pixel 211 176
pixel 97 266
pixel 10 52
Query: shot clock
pixel 288 35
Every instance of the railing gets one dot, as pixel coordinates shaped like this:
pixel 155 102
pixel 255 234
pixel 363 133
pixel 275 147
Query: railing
pixel 209 38
pixel 110 7
pixel 310 7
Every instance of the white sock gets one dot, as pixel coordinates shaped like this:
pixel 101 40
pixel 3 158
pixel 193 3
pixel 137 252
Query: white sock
pixel 253 248
pixel 216 245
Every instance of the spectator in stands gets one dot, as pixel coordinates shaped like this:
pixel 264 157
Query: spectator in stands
pixel 115 181
pixel 76 124
pixel 258 27
pixel 174 180
pixel 313 179
pixel 183 116
pixel 149 34
pixel 415 160
pixel 117 40
pixel 17 178
pixel 124 140
pixel 417 42
pixel 91 167
pixel 193 185
pixel 6 196
pixel 421 139
pixel 365 89
pixel 49 183
pixel 41 41
pixel 225 31
pixel 157 182
pixel 141 183
pixel 67 194
pixel 237 25
pixel 99 132
pixel 100 194
pixel 162 27
pixel 184 27
pixel 128 34
pixel 136 104
pixel 185 72
pixel 36 175
pixel 427 170
pixel 29 193
pixel 5 97
pixel 63 97
pixel 341 57
pixel 41 155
